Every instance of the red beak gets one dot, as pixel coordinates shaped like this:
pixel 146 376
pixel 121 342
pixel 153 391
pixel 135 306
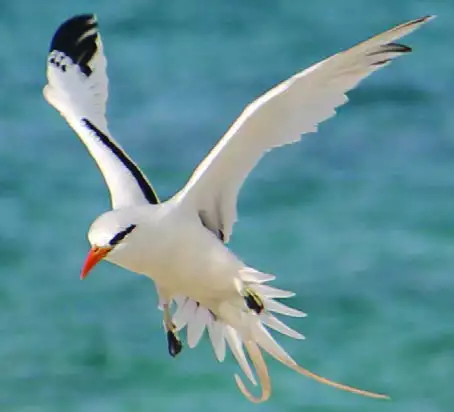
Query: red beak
pixel 94 256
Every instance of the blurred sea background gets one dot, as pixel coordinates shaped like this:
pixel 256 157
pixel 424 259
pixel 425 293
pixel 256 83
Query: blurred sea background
pixel 357 219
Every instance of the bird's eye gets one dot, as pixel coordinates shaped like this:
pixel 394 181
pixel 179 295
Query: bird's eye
pixel 121 235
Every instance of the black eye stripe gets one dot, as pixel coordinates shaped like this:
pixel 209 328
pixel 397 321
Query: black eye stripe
pixel 121 235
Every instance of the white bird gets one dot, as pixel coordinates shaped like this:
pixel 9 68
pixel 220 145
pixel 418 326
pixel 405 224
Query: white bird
pixel 181 243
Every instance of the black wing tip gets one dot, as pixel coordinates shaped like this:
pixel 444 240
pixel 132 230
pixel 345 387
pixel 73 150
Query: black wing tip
pixel 425 18
pixel 418 21
pixel 70 31
pixel 401 48
pixel 71 38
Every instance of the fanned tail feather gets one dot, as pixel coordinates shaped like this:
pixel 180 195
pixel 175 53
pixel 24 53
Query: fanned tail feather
pixel 217 337
pixel 240 328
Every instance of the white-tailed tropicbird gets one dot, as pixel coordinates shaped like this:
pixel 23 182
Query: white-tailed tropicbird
pixel 180 243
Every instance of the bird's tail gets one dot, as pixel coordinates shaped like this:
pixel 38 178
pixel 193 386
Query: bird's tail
pixel 246 326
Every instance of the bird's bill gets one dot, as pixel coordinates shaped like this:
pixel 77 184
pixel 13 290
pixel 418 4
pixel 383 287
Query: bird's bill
pixel 94 256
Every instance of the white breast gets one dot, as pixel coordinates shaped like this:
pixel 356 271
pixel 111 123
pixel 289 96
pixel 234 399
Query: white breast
pixel 180 255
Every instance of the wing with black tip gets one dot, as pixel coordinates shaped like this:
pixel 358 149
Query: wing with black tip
pixel 78 88
pixel 295 107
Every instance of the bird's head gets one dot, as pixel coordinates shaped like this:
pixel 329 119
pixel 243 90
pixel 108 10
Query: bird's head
pixel 107 235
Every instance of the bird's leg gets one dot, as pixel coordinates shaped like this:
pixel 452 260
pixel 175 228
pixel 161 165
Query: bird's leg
pixel 253 300
pixel 173 342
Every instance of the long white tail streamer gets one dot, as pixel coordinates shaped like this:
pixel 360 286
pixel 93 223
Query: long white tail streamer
pixel 245 331
pixel 261 338
pixel 265 383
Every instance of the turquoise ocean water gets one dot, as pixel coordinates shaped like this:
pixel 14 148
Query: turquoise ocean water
pixel 358 219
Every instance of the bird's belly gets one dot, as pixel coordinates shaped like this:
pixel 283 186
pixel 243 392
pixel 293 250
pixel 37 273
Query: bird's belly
pixel 199 274
pixel 199 266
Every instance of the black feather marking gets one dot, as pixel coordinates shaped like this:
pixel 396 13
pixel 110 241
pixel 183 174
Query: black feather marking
pixel 142 182
pixel 71 39
pixel 397 48
pixel 204 219
pixel 253 301
pixel 381 62
pixel 121 235
pixel 392 48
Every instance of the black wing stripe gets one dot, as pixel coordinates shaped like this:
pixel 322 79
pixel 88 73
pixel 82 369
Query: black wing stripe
pixel 142 182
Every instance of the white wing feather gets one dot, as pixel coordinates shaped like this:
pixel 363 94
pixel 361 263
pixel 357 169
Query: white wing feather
pixel 78 88
pixel 280 117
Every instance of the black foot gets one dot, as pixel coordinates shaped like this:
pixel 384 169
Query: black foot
pixel 174 344
pixel 253 301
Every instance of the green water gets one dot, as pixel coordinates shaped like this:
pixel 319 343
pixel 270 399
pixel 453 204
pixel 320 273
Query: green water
pixel 356 219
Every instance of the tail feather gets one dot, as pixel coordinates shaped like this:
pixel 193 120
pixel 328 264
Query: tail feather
pixel 254 276
pixel 278 307
pixel 271 292
pixel 269 344
pixel 184 313
pixel 240 328
pixel 216 334
pixel 262 372
pixel 196 328
pixel 341 386
pixel 274 323
pixel 236 346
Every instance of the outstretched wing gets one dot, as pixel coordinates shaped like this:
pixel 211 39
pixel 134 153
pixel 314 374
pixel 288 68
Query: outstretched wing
pixel 294 107
pixel 78 87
